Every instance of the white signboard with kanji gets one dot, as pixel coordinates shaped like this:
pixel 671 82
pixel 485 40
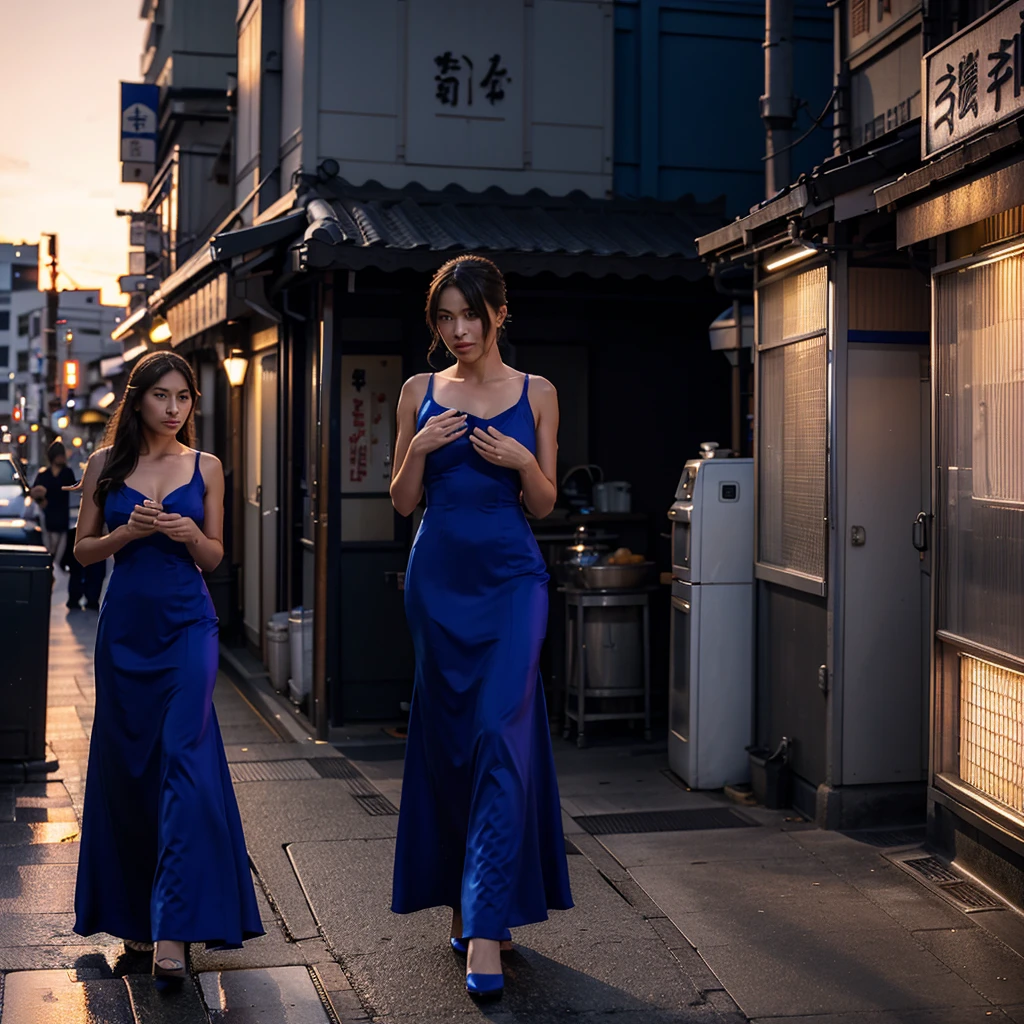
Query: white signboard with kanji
pixel 370 386
pixel 974 80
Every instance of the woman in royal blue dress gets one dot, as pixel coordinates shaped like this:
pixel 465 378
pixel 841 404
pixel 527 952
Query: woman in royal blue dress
pixel 162 858
pixel 480 827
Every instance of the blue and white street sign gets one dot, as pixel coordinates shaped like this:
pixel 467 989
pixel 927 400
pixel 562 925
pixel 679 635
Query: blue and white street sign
pixel 139 104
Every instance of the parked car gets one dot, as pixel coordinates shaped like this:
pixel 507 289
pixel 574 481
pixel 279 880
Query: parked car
pixel 18 524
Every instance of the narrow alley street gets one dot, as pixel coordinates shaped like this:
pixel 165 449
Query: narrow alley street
pixel 688 909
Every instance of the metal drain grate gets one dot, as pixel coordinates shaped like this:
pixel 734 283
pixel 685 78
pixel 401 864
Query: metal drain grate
pixel 663 821
pixel 971 896
pixel 945 881
pixel 888 838
pixel 376 805
pixel 933 869
pixel 271 771
pixel 335 768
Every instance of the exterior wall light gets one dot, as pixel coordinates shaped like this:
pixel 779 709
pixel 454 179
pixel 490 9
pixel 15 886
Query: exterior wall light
pixel 789 256
pixel 77 442
pixel 62 423
pixel 235 366
pixel 106 400
pixel 160 331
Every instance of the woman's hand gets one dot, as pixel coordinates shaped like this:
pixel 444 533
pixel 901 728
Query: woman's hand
pixel 438 431
pixel 179 528
pixel 72 487
pixel 500 449
pixel 142 521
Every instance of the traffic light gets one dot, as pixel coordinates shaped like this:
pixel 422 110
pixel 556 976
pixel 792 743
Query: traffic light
pixel 71 373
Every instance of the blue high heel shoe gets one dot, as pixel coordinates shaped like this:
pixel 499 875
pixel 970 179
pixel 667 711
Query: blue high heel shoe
pixel 461 946
pixel 485 987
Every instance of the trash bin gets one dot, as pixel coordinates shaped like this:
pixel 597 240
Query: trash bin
pixel 25 582
pixel 278 651
pixel 300 629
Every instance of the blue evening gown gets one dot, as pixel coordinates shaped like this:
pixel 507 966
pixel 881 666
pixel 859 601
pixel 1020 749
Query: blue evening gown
pixel 480 825
pixel 162 852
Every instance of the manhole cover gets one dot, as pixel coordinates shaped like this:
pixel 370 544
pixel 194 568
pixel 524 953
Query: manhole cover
pixel 663 821
pixel 271 771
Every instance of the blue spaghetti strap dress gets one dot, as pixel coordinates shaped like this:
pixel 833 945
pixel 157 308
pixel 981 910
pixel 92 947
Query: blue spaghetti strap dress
pixel 480 826
pixel 162 854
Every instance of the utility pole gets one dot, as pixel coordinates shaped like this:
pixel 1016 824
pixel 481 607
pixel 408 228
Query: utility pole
pixel 49 400
pixel 778 107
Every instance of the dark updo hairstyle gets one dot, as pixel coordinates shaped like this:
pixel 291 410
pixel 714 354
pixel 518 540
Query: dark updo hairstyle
pixel 479 280
pixel 124 431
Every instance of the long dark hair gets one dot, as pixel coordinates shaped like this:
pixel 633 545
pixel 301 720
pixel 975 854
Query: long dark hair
pixel 124 431
pixel 479 280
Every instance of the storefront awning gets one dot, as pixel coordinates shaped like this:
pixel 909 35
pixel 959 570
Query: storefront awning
pixel 413 228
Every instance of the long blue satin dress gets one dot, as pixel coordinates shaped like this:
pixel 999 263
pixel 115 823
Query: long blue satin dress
pixel 162 853
pixel 480 826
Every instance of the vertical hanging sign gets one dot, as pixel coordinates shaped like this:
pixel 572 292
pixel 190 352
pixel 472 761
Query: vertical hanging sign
pixel 139 105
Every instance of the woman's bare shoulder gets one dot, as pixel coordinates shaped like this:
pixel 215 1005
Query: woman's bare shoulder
pixel 98 459
pixel 209 463
pixel 541 388
pixel 415 388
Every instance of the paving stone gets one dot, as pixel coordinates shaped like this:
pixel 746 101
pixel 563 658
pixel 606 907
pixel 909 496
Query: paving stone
pixel 52 997
pixel 41 794
pixel 33 929
pixel 704 846
pixel 37 888
pixel 278 995
pixel 29 832
pixel 40 853
pixel 171 1004
pixel 981 960
pixel 39 814
pixel 952 1015
pixel 599 956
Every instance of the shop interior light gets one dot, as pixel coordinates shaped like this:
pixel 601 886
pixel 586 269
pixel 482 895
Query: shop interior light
pixel 160 331
pixel 107 399
pixel 790 255
pixel 234 366
pixel 1000 254
pixel 62 423
pixel 77 442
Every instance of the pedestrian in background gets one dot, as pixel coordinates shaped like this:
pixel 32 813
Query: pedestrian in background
pixel 163 858
pixel 48 490
pixel 480 826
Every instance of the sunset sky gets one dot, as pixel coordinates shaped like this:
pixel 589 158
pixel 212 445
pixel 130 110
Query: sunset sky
pixel 60 170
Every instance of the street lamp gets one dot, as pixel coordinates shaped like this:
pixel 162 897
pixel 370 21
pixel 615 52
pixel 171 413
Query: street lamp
pixel 235 366
pixel 160 331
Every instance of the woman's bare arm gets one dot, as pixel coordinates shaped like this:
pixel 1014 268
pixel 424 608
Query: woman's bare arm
pixel 539 477
pixel 91 543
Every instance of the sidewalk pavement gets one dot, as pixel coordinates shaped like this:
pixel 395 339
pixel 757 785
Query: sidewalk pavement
pixel 712 913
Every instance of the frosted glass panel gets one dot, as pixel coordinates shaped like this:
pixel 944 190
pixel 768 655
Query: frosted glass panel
pixel 792 423
pixel 980 409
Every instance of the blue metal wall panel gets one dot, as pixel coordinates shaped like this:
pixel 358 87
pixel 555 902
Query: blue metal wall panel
pixel 688 77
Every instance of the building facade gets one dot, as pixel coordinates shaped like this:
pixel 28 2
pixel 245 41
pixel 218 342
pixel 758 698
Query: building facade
pixel 889 356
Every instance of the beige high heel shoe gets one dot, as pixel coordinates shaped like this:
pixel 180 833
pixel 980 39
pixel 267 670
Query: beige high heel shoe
pixel 170 967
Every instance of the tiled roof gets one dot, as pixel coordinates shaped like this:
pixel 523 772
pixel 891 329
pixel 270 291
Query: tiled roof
pixel 531 233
